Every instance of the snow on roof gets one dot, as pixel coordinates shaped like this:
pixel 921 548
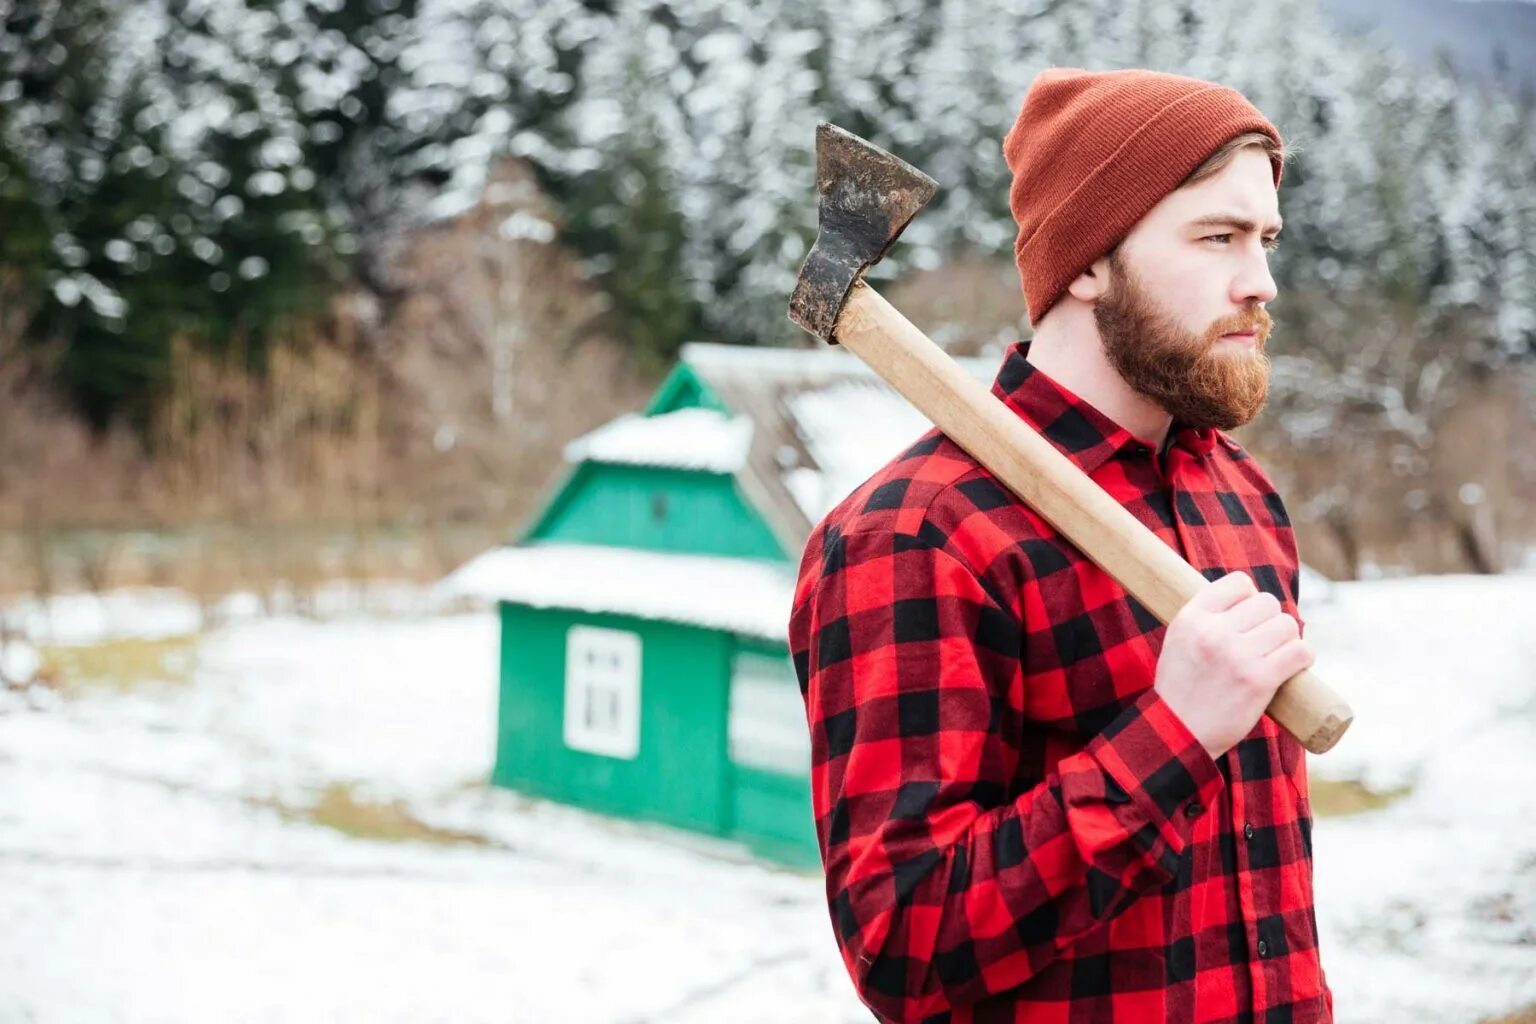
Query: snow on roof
pixel 774 359
pixel 693 438
pixel 735 594
pixel 850 429
pixel 824 421
pixel 803 360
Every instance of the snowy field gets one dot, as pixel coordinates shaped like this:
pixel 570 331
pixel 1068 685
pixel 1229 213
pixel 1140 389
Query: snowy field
pixel 284 820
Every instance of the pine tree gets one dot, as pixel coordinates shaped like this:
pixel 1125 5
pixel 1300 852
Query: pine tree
pixel 623 198
pixel 93 193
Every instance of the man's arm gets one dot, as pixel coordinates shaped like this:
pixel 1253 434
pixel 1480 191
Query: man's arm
pixel 944 885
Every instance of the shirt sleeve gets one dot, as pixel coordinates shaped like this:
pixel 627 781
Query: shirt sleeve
pixel 945 883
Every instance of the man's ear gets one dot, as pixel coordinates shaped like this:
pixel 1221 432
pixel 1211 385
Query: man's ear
pixel 1092 282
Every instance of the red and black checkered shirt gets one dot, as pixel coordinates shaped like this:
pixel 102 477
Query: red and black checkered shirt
pixel 1015 826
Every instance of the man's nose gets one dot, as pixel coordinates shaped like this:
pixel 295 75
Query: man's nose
pixel 1255 284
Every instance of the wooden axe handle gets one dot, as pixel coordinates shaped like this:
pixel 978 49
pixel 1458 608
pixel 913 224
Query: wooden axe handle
pixel 1046 480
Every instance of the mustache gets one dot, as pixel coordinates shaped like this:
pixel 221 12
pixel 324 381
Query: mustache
pixel 1259 321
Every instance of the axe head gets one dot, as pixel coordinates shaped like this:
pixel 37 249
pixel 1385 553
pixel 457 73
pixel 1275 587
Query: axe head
pixel 867 197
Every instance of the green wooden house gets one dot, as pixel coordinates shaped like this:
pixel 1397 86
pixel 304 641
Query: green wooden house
pixel 645 671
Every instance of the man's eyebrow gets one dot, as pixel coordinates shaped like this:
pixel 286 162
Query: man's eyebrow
pixel 1223 220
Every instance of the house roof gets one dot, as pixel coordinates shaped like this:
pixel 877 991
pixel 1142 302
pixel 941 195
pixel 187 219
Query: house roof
pixel 734 594
pixel 823 422
pixel 695 438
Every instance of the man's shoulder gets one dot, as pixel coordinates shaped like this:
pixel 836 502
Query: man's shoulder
pixel 938 493
pixel 1231 448
pixel 1231 451
pixel 1238 470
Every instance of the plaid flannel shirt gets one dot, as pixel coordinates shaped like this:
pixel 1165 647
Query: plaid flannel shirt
pixel 1015 826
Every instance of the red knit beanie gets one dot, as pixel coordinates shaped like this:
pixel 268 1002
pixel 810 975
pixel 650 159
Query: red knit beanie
pixel 1091 154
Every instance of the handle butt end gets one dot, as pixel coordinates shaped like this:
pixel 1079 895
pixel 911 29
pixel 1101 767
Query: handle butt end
pixel 1329 727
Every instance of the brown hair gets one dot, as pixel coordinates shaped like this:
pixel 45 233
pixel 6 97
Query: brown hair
pixel 1219 159
pixel 1229 149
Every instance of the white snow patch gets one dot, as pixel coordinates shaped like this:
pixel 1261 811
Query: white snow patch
pixel 83 618
pixel 19 661
pixel 1426 662
pixel 774 359
pixel 1427 907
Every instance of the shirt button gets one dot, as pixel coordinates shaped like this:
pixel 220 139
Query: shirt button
pixel 1194 810
pixel 1263 948
pixel 1247 830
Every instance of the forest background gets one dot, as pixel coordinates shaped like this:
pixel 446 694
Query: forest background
pixel 315 288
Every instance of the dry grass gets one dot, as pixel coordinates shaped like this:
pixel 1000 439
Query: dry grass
pixel 377 442
pixel 1332 799
pixel 121 664
pixel 397 442
pixel 342 809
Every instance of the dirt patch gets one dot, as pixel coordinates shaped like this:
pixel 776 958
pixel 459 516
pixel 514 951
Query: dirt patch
pixel 342 809
pixel 1332 798
pixel 121 664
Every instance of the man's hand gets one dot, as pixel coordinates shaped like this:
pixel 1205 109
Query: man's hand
pixel 1224 656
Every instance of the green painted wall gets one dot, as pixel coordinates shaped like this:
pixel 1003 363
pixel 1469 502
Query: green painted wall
pixel 772 815
pixel 682 774
pixel 657 509
pixel 679 775
pixel 771 810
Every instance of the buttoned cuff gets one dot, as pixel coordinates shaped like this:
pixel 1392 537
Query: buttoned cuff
pixel 1164 770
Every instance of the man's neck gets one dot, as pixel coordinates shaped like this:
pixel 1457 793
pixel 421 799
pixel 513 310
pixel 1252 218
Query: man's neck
pixel 1068 351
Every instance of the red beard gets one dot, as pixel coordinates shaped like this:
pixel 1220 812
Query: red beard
pixel 1198 382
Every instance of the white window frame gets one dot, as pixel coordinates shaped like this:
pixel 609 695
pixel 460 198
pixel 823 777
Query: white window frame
pixel 602 691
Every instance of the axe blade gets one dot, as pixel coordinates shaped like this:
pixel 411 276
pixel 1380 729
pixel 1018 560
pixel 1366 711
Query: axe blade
pixel 866 199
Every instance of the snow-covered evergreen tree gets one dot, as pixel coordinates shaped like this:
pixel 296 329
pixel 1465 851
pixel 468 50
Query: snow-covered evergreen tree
pixel 258 143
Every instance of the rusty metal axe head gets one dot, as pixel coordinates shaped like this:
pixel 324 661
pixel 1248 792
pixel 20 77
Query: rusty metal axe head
pixel 867 197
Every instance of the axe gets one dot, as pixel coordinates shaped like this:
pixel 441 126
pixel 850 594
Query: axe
pixel 867 197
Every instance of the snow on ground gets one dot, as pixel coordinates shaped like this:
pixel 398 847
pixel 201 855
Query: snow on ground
pixel 1427 908
pixel 161 859
pixel 152 867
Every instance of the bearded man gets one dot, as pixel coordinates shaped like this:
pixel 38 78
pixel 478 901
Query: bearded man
pixel 1035 802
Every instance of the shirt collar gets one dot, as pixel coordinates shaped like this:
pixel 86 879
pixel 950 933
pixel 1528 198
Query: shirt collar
pixel 1084 434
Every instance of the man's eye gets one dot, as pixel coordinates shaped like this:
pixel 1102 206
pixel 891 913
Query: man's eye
pixel 1270 244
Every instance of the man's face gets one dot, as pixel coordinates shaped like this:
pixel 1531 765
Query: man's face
pixel 1178 287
